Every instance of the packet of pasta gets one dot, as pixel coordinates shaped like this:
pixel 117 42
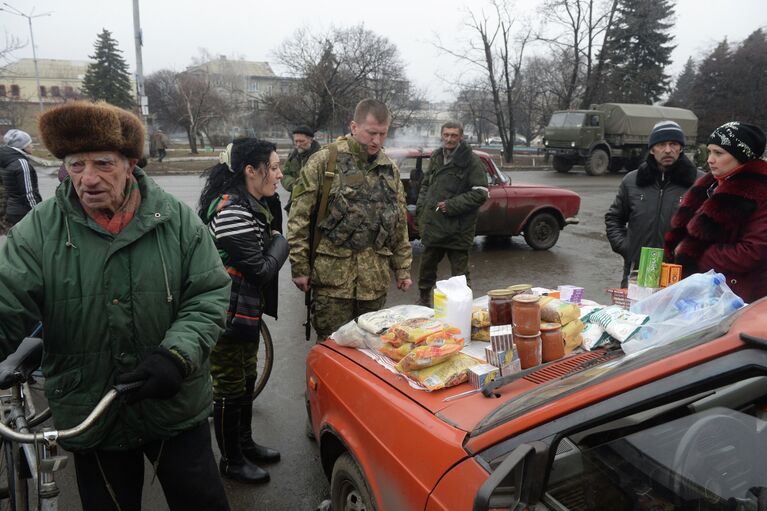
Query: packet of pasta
pixel 412 330
pixel 396 353
pixel 427 356
pixel 447 374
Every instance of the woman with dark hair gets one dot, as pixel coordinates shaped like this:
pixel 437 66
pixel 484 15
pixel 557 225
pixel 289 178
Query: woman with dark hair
pixel 234 205
pixel 721 223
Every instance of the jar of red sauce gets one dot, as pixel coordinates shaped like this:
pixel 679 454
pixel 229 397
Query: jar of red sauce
pixel 526 314
pixel 552 343
pixel 499 306
pixel 529 349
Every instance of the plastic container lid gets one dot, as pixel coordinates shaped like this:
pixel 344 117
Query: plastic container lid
pixel 526 298
pixel 500 293
pixel 520 288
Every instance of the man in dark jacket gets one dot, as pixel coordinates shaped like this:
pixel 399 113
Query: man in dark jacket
pixel 452 190
pixel 304 146
pixel 648 197
pixel 129 287
pixel 19 176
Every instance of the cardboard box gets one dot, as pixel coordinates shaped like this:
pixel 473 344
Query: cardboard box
pixel 481 375
pixel 670 274
pixel 650 261
pixel 501 338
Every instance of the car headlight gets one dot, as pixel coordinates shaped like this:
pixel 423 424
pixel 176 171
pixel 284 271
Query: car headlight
pixel 572 144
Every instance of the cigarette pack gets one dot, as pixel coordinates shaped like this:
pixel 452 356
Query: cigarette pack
pixel 501 338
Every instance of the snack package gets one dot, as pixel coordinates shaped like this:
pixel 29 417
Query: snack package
pixel 427 356
pixel 480 317
pixel 412 330
pixel 619 323
pixel 447 374
pixel 480 333
pixel 554 310
pixel 593 336
pixel 449 335
pixel 396 353
pixel 377 322
pixel 411 311
pixel 571 333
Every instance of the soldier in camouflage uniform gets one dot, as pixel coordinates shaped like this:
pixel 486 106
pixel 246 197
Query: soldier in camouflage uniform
pixel 304 146
pixel 364 233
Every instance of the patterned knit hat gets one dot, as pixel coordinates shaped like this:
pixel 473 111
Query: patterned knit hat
pixel 666 131
pixel 17 138
pixel 744 141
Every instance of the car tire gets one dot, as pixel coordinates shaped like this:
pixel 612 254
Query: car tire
pixel 542 231
pixel 597 163
pixel 349 490
pixel 562 164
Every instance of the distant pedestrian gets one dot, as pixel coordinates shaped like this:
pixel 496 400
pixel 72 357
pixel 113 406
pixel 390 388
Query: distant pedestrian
pixel 648 197
pixel 452 190
pixel 722 222
pixel 304 146
pixel 18 175
pixel 161 143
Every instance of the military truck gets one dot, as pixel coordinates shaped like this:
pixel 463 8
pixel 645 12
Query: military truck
pixel 610 136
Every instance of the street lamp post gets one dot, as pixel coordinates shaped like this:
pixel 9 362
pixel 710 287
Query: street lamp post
pixel 12 10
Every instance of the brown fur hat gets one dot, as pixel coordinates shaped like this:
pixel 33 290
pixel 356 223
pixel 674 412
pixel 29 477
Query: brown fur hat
pixel 82 127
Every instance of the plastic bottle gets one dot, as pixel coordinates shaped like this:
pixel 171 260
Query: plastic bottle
pixel 695 292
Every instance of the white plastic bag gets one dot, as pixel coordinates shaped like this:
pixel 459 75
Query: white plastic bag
pixel 452 303
pixel 352 336
pixel 690 305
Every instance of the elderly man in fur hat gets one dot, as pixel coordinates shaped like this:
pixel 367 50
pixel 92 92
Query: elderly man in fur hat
pixel 130 288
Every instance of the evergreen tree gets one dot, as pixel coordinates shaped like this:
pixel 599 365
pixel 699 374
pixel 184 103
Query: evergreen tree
pixel 748 79
pixel 107 78
pixel 711 93
pixel 681 96
pixel 639 51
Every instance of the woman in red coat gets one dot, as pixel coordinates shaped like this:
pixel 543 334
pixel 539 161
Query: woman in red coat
pixel 722 221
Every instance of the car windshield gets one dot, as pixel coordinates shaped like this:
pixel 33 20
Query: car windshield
pixel 501 174
pixel 579 380
pixel 567 120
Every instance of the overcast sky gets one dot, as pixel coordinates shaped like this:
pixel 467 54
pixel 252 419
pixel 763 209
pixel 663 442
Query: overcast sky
pixel 175 30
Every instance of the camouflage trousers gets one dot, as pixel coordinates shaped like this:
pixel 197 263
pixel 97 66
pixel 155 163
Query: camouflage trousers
pixel 328 313
pixel 430 258
pixel 232 362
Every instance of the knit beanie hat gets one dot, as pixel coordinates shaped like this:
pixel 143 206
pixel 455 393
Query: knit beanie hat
pixel 304 130
pixel 17 138
pixel 744 141
pixel 666 131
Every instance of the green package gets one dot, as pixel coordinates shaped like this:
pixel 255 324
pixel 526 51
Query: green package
pixel 650 261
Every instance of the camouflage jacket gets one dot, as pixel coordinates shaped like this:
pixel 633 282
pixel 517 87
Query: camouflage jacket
pixel 339 271
pixel 295 163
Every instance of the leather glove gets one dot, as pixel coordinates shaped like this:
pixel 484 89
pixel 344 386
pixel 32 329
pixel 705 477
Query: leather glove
pixel 162 374
pixel 279 250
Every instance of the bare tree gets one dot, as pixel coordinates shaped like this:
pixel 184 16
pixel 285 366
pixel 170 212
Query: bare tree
pixel 333 71
pixel 474 107
pixel 498 54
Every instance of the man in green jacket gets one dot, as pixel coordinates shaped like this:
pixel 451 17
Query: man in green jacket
pixel 363 236
pixel 452 191
pixel 304 146
pixel 129 287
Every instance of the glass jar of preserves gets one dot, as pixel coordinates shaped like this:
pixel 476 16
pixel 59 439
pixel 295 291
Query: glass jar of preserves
pixel 552 343
pixel 499 306
pixel 520 289
pixel 526 314
pixel 529 349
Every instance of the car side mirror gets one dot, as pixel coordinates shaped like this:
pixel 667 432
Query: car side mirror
pixel 517 480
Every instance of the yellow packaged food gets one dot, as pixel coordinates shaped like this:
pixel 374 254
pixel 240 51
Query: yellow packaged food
pixel 427 356
pixel 571 333
pixel 412 330
pixel 480 333
pixel 480 317
pixel 554 310
pixel 396 353
pixel 447 374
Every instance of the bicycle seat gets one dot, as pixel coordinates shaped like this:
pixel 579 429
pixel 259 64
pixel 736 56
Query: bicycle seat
pixel 21 363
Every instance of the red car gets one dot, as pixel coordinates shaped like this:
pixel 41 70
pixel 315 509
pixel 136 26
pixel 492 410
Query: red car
pixel 539 212
pixel 681 426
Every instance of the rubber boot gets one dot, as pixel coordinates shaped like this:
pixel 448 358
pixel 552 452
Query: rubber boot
pixel 425 297
pixel 250 449
pixel 226 425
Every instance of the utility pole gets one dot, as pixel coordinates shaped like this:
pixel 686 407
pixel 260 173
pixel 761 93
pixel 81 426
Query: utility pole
pixel 12 10
pixel 141 98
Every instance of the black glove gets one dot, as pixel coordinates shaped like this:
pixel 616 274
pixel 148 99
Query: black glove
pixel 162 373
pixel 279 250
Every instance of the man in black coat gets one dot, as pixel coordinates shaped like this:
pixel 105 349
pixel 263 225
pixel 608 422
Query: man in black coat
pixel 648 197
pixel 18 175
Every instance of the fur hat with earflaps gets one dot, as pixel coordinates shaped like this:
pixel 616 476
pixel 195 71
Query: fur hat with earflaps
pixel 83 127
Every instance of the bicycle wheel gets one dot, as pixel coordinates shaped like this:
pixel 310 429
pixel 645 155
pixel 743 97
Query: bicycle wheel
pixel 265 359
pixel 8 477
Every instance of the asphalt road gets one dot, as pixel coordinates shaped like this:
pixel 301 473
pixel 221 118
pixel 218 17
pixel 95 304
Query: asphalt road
pixel 581 257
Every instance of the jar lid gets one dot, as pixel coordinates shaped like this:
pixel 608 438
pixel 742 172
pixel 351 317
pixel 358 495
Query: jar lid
pixel 526 298
pixel 550 326
pixel 500 293
pixel 520 288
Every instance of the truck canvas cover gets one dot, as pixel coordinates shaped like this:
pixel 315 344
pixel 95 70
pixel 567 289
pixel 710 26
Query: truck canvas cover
pixel 638 120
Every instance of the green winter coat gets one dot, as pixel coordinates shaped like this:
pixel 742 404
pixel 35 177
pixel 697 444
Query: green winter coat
pixel 106 301
pixel 294 164
pixel 462 184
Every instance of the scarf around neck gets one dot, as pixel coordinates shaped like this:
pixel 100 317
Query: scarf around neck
pixel 116 222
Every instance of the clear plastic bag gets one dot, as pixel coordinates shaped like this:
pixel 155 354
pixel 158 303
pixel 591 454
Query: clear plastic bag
pixel 692 304
pixel 352 336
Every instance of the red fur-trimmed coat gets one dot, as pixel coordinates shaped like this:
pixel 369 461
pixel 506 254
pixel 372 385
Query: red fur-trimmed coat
pixel 727 231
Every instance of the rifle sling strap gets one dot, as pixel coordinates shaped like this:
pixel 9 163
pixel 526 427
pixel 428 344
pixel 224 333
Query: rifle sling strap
pixel 327 182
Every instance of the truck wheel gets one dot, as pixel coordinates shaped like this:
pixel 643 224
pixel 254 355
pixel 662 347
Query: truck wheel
pixel 348 487
pixel 542 231
pixel 562 165
pixel 597 163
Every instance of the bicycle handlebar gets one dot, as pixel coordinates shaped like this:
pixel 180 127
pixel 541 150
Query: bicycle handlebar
pixel 53 436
